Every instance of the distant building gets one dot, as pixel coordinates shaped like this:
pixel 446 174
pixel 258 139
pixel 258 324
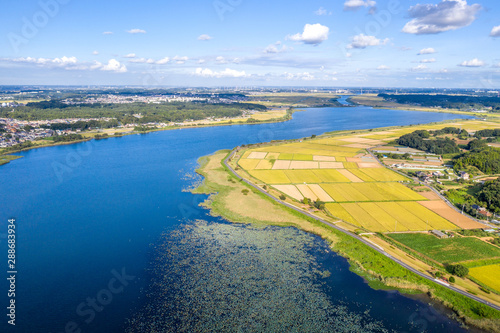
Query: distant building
pixel 464 175
pixel 439 234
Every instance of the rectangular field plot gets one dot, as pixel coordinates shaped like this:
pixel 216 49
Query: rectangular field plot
pixel 320 193
pixel 331 176
pixel 349 175
pixel 290 190
pixel 354 192
pixel 302 176
pixel 331 165
pixel 285 156
pixel 307 192
pixel 264 165
pixel 270 176
pixel 339 212
pixel 442 209
pixel 320 158
pixel 303 165
pixel 257 155
pixel 281 164
pixel 378 175
pixel 248 164
pixel 350 165
pixel 272 156
pixel 302 157
pixel 449 250
pixel 489 275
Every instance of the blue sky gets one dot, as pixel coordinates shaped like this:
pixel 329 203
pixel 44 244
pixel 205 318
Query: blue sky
pixel 246 43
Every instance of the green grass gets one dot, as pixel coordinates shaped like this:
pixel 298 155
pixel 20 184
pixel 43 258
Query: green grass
pixel 4 159
pixel 450 250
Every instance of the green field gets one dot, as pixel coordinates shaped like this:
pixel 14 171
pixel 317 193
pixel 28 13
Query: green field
pixel 450 250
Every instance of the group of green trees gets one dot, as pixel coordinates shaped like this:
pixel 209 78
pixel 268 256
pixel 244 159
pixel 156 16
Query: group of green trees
pixel 421 140
pixel 67 138
pixel 124 113
pixel 446 101
pixel 486 159
pixel 83 125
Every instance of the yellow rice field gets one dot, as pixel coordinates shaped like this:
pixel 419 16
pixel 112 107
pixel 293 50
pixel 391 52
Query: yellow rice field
pixel 489 275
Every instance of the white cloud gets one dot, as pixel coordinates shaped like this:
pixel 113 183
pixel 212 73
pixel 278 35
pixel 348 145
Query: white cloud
pixel 446 15
pixel 151 61
pixel 419 68
pixel 47 62
pixel 322 12
pixel 428 50
pixel 472 63
pixel 204 37
pixel 71 63
pixel 130 55
pixel 305 76
pixel 362 41
pixel 356 4
pixel 206 72
pixel 108 33
pixel 275 48
pixel 383 68
pixel 495 32
pixel 221 60
pixel 163 61
pixel 95 53
pixel 427 61
pixel 136 31
pixel 114 65
pixel 313 34
pixel 180 60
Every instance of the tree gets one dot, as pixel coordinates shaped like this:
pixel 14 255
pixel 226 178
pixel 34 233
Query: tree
pixel 451 279
pixel 282 197
pixel 458 270
pixel 245 191
pixel 319 204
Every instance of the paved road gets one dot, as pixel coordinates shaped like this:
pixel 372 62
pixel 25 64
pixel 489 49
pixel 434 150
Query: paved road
pixel 364 241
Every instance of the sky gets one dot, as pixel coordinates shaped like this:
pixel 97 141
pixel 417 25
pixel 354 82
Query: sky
pixel 244 43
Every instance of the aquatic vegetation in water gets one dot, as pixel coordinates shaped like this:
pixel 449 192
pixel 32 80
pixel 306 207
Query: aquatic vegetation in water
pixel 217 277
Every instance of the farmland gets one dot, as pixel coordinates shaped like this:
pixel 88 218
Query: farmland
pixel 489 275
pixel 449 250
pixel 355 187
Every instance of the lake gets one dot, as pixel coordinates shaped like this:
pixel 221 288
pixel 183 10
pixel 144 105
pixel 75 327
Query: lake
pixel 92 216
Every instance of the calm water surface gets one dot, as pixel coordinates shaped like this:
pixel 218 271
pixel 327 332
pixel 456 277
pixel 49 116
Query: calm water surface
pixel 89 212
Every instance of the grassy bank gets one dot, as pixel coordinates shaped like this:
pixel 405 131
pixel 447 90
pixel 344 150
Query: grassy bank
pixel 238 202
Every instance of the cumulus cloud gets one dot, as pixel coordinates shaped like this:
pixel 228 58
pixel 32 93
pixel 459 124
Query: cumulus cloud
pixel 495 32
pixel 55 62
pixel 114 66
pixel 204 37
pixel 275 48
pixel 206 72
pixel 362 41
pixel 135 60
pixel 472 63
pixel 356 4
pixel 136 31
pixel 419 68
pixel 313 34
pixel 95 52
pixel 107 33
pixel 444 16
pixel 180 60
pixel 130 55
pixel 427 61
pixel 428 50
pixel 383 68
pixel 163 61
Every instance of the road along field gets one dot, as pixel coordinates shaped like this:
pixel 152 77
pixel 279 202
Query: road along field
pixel 340 172
pixel 489 275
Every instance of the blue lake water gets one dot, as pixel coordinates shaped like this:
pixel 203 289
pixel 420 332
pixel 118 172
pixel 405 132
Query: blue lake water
pixel 88 212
